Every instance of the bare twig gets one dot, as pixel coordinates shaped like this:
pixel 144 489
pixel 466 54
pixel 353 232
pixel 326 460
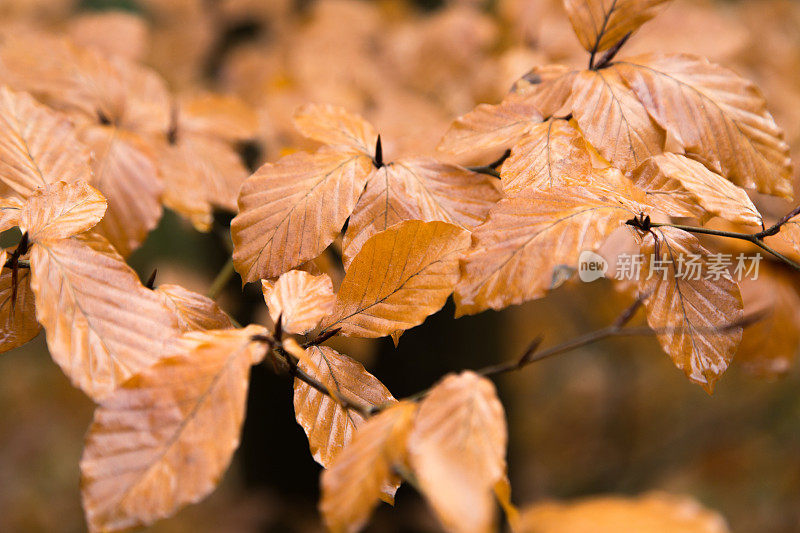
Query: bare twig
pixel 491 168
pixel 222 279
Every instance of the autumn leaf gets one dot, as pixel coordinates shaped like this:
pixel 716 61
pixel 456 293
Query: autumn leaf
pixel 653 513
pixel 399 277
pixel 600 24
pixel 37 146
pixel 194 312
pixel 18 322
pixel 328 425
pixel 524 247
pixel 165 437
pixel 457 450
pixel 61 210
pixel 290 211
pixel 694 315
pixel 683 187
pixel 336 127
pixel 10 212
pixel 717 117
pixel 548 88
pixel 216 116
pixel 613 120
pixel 787 240
pixel 300 299
pixel 553 153
pixel 102 325
pixel 356 480
pixel 418 189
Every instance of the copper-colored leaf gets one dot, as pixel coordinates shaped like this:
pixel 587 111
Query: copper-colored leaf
pixel 10 212
pixel 37 146
pixel 600 24
pixel 128 179
pixel 18 322
pixel 651 513
pixel 457 450
pixel 290 211
pixel 492 126
pixel 530 243
pixel 336 126
pixel 217 116
pixel 613 120
pixel 553 153
pixel 61 210
pixel 399 277
pixel 102 325
pixel 300 299
pixel 787 240
pixel 719 118
pixel 328 425
pixel 685 187
pixel 548 88
pixel 357 478
pixel 418 189
pixel 194 312
pixel 167 435
pixel 695 316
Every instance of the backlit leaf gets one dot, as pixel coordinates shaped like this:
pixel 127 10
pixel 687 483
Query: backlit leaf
pixel 600 24
pixel 548 88
pixel 336 126
pixel 399 277
pixel 300 299
pixel 216 116
pixel 18 322
pixel 61 210
pixel 194 312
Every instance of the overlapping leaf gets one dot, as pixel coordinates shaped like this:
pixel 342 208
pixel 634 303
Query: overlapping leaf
pixel 61 210
pixel 334 126
pixel 300 299
pixel 194 312
pixel 165 438
pixel 600 24
pixel 18 322
pixel 399 277
pixel 548 88
pixel 717 117
pixel 357 478
pixel 696 316
pixel 457 450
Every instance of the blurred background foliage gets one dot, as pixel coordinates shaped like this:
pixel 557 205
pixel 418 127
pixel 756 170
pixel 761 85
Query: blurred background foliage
pixel 614 417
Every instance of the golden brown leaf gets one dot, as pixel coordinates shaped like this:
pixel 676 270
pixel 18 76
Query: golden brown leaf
pixel 651 513
pixel 356 480
pixel 717 117
pixel 194 312
pixel 102 325
pixel 685 187
pixel 217 116
pixel 300 299
pixel 10 212
pixel 457 449
pixel 61 210
pixel 613 120
pixel 553 153
pixel 530 243
pixel 600 24
pixel 418 189
pixel 492 126
pixel 128 179
pixel 696 319
pixel 37 146
pixel 548 88
pixel 18 322
pixel 328 425
pixel 167 435
pixel 336 126
pixel 290 211
pixel 111 32
pixel 399 277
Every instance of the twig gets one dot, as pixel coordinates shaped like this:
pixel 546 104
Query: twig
pixel 222 279
pixel 612 52
pixel 491 168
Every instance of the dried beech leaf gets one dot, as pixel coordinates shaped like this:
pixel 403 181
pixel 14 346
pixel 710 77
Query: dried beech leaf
pixel 194 312
pixel 684 186
pixel 787 240
pixel 717 117
pixel 128 179
pixel 613 120
pixel 165 437
pixel 102 325
pixel 356 480
pixel 217 116
pixel 695 318
pixel 600 24
pixel 10 212
pixel 548 88
pixel 300 299
pixel 457 449
pixel 37 146
pixel 399 277
pixel 290 211
pixel 553 153
pixel 530 243
pixel 17 317
pixel 336 126
pixel 328 425
pixel 61 210
pixel 419 189
pixel 492 126
pixel 651 513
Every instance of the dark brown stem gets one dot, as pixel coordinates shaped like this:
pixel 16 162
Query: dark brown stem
pixel 612 52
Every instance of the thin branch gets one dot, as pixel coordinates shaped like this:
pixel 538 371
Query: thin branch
pixel 222 279
pixel 612 52
pixel 491 168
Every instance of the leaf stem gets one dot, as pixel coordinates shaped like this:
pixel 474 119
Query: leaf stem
pixel 222 279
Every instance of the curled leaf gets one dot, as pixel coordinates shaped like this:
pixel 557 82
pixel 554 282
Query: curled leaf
pixel 300 299
pixel 61 210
